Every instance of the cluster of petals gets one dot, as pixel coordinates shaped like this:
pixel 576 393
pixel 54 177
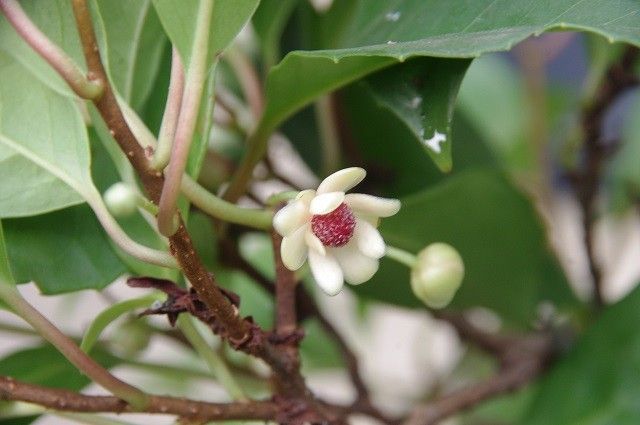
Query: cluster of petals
pixel 335 231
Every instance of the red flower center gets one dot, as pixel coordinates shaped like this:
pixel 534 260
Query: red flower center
pixel 336 228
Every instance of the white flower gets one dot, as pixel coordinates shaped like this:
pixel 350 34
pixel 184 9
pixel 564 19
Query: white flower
pixel 335 231
pixel 437 274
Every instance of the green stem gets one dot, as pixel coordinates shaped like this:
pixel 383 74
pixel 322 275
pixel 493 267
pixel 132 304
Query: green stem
pixel 50 52
pixel 215 363
pixel 171 113
pixel 128 245
pixel 132 395
pixel 110 314
pixel 194 85
pixel 219 208
pixel 198 195
pixel 328 131
pixel 401 256
pixel 256 149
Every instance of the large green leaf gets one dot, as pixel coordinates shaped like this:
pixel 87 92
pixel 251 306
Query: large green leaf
pixel 134 41
pixel 597 382
pixel 383 33
pixel 508 266
pixel 179 17
pixel 421 94
pixel 62 251
pixel 492 98
pixel 43 145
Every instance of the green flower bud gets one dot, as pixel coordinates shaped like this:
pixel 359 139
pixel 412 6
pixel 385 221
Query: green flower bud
pixel 121 200
pixel 437 274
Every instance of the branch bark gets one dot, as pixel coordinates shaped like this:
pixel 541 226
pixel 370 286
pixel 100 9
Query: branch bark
pixel 618 78
pixel 69 401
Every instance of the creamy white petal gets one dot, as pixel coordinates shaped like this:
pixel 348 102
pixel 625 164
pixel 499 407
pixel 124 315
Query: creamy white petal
pixel 372 205
pixel 294 249
pixel 327 272
pixel 356 267
pixel 314 243
pixel 342 180
pixel 326 202
pixel 306 196
pixel 368 239
pixel 290 217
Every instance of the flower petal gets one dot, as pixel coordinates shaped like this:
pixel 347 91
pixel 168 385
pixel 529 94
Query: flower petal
pixel 327 272
pixel 342 180
pixel 372 205
pixel 306 196
pixel 293 249
pixel 314 243
pixel 368 239
pixel 357 267
pixel 326 202
pixel 290 217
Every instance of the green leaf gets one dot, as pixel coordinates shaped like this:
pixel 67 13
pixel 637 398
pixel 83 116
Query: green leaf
pixel 269 22
pixel 45 366
pixel 134 41
pixel 55 19
pixel 493 99
pixel 179 17
pixel 421 94
pixel 383 33
pixel 508 266
pixel 43 145
pixel 63 251
pixel 596 383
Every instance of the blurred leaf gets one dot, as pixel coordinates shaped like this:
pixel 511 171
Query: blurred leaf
pixel 492 98
pixel 43 141
pixel 395 163
pixel 381 34
pixel 62 251
pixel 269 22
pixel 597 382
pixel 317 349
pixel 55 19
pixel 45 366
pixel 134 41
pixel 508 265
pixel 422 93
pixel 179 17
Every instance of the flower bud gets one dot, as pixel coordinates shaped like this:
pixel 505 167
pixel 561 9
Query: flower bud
pixel 437 274
pixel 121 200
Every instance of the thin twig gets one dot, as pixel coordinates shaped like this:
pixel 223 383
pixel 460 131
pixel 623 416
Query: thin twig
pixel 69 401
pixel 618 78
pixel 248 78
pixel 522 362
pixel 171 113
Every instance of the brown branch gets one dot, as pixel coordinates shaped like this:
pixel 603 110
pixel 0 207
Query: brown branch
pixel 69 401
pixel 522 362
pixel 285 294
pixel 618 78
pixel 237 330
pixel 241 333
pixel 307 308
